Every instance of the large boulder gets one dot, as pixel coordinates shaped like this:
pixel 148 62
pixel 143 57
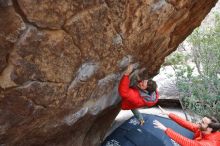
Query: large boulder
pixel 61 61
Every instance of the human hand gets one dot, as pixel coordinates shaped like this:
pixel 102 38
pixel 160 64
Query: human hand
pixel 141 122
pixel 129 70
pixel 159 125
pixel 163 111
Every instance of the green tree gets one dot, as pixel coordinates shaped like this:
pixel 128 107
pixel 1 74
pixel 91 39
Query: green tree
pixel 199 84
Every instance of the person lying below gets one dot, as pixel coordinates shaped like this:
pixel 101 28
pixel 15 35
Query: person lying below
pixel 206 133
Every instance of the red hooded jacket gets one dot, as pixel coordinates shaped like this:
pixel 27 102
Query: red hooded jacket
pixel 200 139
pixel 131 98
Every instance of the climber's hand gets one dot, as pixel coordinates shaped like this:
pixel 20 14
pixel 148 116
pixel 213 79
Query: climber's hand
pixel 129 69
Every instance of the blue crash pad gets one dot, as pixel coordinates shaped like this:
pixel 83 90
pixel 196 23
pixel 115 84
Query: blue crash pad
pixel 130 133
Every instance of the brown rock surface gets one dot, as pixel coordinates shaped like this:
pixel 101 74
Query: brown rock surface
pixel 61 61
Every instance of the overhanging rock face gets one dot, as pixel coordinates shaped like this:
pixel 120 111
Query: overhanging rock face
pixel 61 61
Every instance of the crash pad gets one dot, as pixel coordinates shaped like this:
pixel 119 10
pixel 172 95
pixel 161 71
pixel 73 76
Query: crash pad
pixel 131 133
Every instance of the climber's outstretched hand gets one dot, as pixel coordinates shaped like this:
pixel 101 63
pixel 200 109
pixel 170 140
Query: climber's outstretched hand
pixel 159 125
pixel 163 110
pixel 129 69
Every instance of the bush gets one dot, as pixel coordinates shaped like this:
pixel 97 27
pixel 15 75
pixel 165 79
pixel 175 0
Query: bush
pixel 199 84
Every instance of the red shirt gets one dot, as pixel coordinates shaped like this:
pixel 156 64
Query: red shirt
pixel 131 98
pixel 200 139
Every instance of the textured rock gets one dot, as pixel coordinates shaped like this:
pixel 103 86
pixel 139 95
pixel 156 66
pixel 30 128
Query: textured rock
pixel 46 56
pixel 61 61
pixel 11 26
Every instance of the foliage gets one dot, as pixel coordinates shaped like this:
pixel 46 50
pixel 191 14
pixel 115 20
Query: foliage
pixel 199 82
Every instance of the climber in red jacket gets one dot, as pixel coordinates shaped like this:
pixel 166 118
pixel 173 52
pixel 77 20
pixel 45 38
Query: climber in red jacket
pixel 206 133
pixel 141 95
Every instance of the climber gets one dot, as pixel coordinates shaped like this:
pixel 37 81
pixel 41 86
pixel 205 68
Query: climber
pixel 206 133
pixel 140 94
